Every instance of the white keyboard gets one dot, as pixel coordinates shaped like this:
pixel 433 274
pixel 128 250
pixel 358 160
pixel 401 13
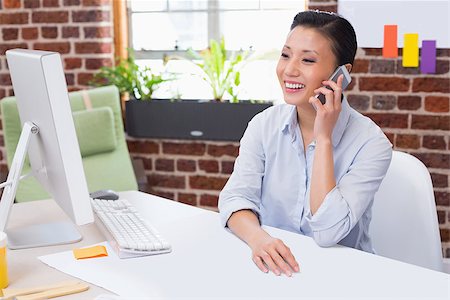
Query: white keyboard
pixel 126 231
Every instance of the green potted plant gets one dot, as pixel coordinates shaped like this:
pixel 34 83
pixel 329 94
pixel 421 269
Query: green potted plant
pixel 208 119
pixel 133 81
pixel 222 74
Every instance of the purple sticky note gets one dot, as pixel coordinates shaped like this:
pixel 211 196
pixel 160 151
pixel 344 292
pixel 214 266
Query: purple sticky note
pixel 428 57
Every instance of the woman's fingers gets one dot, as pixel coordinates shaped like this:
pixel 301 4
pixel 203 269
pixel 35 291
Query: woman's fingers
pixel 287 256
pixel 329 95
pixel 260 264
pixel 272 254
pixel 337 88
pixel 281 263
pixel 315 102
pixel 267 259
pixel 276 258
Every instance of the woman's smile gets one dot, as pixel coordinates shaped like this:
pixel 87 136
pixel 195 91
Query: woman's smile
pixel 293 87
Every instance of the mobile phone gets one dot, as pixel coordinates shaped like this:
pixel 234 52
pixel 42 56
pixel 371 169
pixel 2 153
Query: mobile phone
pixel 334 77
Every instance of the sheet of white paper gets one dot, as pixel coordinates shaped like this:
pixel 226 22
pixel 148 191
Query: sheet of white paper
pixel 162 276
pixel 109 272
pixel 170 276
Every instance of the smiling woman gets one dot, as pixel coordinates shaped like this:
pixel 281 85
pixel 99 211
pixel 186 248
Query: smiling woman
pixel 310 170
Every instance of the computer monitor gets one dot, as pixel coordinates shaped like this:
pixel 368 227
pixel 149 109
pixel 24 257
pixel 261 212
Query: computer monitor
pixel 49 137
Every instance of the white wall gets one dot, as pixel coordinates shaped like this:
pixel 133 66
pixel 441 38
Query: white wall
pixel 431 19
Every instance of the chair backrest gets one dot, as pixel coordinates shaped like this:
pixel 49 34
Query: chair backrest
pixel 107 167
pixel 404 222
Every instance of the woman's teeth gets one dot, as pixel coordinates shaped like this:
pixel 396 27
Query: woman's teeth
pixel 294 85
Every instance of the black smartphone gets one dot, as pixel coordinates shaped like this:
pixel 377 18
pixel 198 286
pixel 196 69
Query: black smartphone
pixel 347 79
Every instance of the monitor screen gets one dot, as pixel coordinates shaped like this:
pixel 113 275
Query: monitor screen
pixel 52 146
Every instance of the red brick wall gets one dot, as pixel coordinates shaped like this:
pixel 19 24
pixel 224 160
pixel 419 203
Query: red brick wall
pixel 190 172
pixel 81 30
pixel 412 109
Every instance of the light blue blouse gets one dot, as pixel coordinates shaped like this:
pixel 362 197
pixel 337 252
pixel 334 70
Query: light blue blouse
pixel 272 177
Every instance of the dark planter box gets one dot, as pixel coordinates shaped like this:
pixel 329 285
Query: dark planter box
pixel 190 119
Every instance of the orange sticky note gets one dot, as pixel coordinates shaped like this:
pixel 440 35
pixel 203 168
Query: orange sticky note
pixel 411 50
pixel 90 252
pixel 390 49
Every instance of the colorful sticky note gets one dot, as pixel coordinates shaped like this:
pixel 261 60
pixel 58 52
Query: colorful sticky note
pixel 411 50
pixel 390 49
pixel 428 57
pixel 90 252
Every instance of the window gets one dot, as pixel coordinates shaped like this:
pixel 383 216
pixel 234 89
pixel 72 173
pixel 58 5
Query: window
pixel 169 27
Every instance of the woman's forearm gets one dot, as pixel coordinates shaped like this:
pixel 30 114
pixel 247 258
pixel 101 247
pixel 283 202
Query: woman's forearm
pixel 245 225
pixel 322 179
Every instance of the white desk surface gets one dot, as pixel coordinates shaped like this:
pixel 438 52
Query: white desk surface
pixel 208 262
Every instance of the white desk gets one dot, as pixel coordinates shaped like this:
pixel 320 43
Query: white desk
pixel 209 262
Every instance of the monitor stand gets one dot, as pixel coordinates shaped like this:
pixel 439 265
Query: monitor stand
pixel 38 235
pixel 42 235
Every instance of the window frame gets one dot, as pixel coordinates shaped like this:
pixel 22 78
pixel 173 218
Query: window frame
pixel 213 27
pixel 141 54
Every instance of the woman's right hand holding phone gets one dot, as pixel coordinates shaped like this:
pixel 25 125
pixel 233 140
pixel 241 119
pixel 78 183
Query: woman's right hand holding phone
pixel 327 114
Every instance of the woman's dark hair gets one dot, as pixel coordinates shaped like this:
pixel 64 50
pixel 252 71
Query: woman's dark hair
pixel 335 28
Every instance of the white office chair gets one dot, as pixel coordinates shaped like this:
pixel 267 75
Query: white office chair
pixel 404 219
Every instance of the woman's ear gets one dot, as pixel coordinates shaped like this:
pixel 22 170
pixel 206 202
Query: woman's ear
pixel 349 67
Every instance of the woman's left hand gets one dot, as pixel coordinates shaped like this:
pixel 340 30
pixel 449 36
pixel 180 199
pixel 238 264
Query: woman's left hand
pixel 327 114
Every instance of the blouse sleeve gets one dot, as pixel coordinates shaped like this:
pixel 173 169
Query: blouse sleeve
pixel 243 189
pixel 344 205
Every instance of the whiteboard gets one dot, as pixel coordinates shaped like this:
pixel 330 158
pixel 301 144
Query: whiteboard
pixel 430 19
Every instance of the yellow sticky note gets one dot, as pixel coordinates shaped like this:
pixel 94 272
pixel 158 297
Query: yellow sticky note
pixel 90 252
pixel 411 50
